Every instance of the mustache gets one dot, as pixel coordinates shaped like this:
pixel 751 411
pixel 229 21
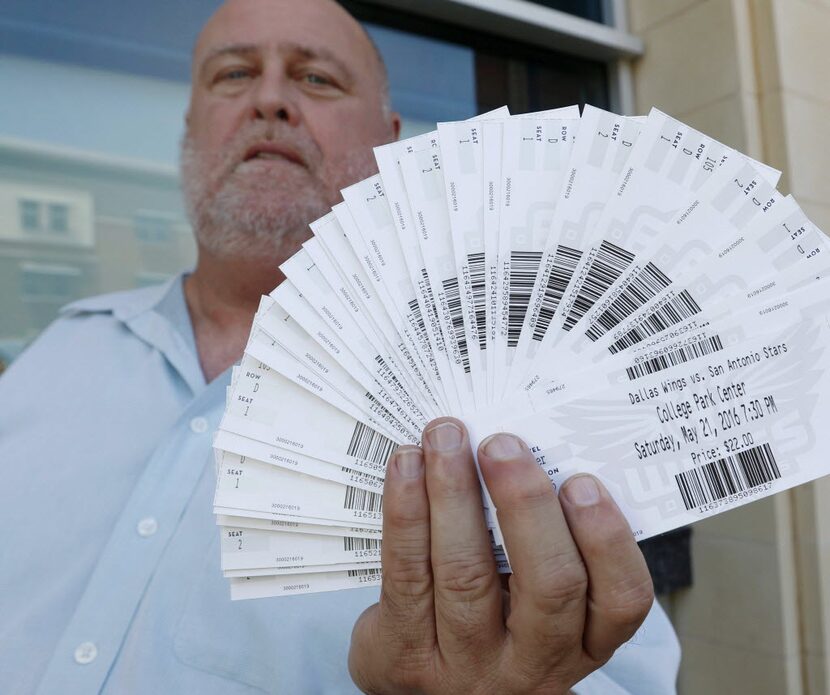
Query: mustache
pixel 236 150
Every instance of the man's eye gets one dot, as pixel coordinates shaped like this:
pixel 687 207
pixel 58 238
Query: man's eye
pixel 235 74
pixel 317 79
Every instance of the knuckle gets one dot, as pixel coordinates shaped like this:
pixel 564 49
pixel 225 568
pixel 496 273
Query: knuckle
pixel 628 603
pixel 406 579
pixel 464 576
pixel 402 509
pixel 610 530
pixel 567 584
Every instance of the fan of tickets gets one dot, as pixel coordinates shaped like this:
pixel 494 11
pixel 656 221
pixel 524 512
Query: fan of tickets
pixel 631 297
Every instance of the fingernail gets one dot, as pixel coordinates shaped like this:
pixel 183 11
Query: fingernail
pixel 581 491
pixel 501 447
pixel 446 436
pixel 409 461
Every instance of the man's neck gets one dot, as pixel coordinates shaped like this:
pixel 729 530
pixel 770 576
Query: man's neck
pixel 222 297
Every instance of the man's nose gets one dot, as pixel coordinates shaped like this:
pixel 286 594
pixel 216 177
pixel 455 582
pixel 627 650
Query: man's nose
pixel 274 100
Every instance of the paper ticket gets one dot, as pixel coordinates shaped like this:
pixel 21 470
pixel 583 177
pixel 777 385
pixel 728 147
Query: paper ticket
pixel 245 483
pixel 371 374
pixel 667 174
pixel 287 585
pixel 692 440
pixel 267 351
pixel 251 572
pixel 287 518
pixel 387 157
pixel 292 461
pixel 379 323
pixel 295 527
pixel 366 202
pixel 773 237
pixel 535 155
pixel 369 349
pixel 305 351
pixel 301 422
pixel 424 182
pixel 727 208
pixel 249 548
pixel 668 164
pixel 491 164
pixel 597 158
pixel 461 144
pixel 413 347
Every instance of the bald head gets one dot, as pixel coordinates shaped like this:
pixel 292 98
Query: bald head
pixel 234 22
pixel 288 98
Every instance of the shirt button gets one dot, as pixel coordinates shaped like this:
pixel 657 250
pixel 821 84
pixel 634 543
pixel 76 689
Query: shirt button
pixel 86 652
pixel 198 425
pixel 147 527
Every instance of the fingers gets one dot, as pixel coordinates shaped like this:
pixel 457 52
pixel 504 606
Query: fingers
pixel 468 602
pixel 621 592
pixel 393 641
pixel 549 582
pixel 406 608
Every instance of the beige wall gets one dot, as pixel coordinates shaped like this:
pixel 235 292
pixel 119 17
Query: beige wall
pixel 756 75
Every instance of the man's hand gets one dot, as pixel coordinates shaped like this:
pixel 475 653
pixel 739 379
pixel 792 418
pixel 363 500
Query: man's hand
pixel 579 588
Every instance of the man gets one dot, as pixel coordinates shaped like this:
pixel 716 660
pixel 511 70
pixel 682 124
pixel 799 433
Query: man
pixel 109 574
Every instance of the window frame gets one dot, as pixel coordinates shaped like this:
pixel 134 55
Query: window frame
pixel 529 23
pixel 35 268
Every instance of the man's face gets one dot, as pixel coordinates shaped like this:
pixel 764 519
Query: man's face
pixel 286 103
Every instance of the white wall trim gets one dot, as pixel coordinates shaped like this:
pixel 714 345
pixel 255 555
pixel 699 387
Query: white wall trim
pixel 59 153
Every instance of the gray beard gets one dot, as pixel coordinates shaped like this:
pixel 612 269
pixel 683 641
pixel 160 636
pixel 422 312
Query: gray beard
pixel 262 217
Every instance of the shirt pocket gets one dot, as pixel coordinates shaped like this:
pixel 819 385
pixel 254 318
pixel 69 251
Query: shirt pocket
pixel 296 644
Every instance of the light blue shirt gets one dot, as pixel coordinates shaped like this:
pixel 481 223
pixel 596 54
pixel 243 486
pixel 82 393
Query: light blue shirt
pixel 109 563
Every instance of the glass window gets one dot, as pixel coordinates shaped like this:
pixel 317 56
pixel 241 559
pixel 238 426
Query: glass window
pixel 153 228
pixel 439 72
pixel 90 159
pixel 51 283
pixel 587 9
pixel 30 216
pixel 58 218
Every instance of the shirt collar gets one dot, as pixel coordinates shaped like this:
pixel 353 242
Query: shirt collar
pixel 123 305
pixel 136 309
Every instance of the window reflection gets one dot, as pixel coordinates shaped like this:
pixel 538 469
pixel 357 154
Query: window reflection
pixel 89 193
pixel 30 216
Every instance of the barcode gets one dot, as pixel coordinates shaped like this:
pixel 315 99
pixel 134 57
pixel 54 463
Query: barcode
pixel 370 445
pixel 719 479
pixel 352 543
pixel 362 500
pixel 416 319
pixel 678 309
pixel 360 476
pixel 400 391
pixel 373 572
pixel 387 373
pixel 701 348
pixel 475 263
pixel 645 285
pixel 603 270
pixel 432 310
pixel 457 320
pixel 564 264
pixel 524 265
